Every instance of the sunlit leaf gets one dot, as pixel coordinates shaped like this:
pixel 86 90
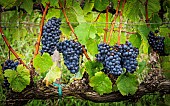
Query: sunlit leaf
pixel 42 63
pixel 101 83
pixel 18 79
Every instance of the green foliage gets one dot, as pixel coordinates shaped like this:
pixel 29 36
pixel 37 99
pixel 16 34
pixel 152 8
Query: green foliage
pixel 92 67
pixel 165 61
pixel 92 43
pixel 88 7
pixel 27 5
pixel 131 12
pixel 101 5
pixel 142 66
pixel 53 74
pixel 144 31
pixel 18 79
pixel 127 84
pixel 135 39
pixel 42 63
pixel 101 83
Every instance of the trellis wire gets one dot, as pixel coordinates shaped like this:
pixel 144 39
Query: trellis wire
pixel 98 26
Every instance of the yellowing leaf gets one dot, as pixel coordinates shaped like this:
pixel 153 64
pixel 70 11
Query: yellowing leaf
pixel 53 74
pixel 42 63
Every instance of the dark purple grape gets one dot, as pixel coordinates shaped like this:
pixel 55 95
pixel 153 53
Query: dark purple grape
pixel 156 42
pixel 71 51
pixel 8 64
pixel 51 35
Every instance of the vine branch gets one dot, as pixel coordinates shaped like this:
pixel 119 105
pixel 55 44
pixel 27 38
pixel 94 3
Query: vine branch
pixel 83 91
pixel 11 49
pixel 120 25
pixel 106 28
pixel 146 11
pixel 113 22
pixel 41 29
pixel 76 38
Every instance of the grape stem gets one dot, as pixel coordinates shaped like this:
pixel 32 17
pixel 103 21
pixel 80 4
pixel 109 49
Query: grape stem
pixel 41 30
pixel 11 49
pixel 113 22
pixel 120 25
pixel 76 38
pixel 146 11
pixel 106 28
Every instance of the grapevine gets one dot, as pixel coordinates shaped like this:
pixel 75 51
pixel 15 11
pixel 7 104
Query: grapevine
pixel 8 64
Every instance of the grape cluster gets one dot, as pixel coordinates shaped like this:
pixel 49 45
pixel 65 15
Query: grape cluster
pixel 115 58
pixel 156 42
pixel 129 55
pixel 51 35
pixel 71 51
pixel 8 64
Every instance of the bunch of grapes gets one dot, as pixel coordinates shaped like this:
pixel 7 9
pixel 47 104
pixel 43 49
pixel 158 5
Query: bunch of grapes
pixel 113 62
pixel 115 58
pixel 71 51
pixel 103 49
pixel 156 42
pixel 8 64
pixel 129 55
pixel 51 35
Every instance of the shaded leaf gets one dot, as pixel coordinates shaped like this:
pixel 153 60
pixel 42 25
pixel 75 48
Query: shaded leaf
pixel 92 67
pixel 127 84
pixel 101 5
pixel 27 5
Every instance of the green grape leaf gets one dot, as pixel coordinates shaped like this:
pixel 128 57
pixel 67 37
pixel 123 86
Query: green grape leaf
pixel 88 7
pixel 27 5
pixel 82 32
pixel 101 83
pixel 92 43
pixel 101 5
pixel 92 67
pixel 127 84
pixel 54 3
pixel 135 39
pixel 78 12
pixel 18 79
pixel 155 19
pixel 153 7
pixel 131 12
pixel 164 31
pixel 92 32
pixel 52 13
pixel 7 3
pixel 143 30
pixel 142 66
pixel 53 74
pixel 42 63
